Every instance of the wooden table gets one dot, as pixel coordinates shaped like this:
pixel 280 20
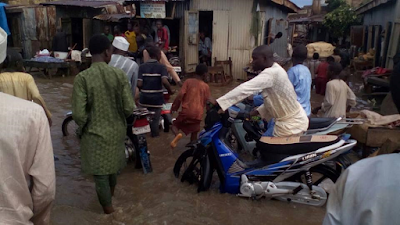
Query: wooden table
pixel 372 137
pixel 46 66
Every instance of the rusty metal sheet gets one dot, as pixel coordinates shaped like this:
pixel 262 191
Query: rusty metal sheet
pixel 41 23
pixel 81 3
pixel 52 21
pixel 112 17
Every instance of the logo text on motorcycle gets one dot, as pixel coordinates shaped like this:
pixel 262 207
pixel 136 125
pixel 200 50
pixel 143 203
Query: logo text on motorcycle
pixel 226 154
pixel 309 156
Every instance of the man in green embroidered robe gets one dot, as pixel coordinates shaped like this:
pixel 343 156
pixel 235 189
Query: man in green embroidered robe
pixel 101 102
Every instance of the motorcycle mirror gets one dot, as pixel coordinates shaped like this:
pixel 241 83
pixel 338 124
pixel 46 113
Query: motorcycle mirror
pixel 233 111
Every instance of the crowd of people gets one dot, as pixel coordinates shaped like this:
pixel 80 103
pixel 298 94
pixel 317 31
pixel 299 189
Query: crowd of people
pixel 106 94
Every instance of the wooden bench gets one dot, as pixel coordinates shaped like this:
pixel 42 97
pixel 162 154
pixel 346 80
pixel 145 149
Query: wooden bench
pixel 218 64
pixel 214 72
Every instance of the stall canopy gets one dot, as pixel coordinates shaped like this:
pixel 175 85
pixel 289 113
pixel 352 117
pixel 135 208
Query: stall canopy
pixel 83 3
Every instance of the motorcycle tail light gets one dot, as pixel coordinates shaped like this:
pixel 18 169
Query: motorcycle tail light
pixel 166 97
pixel 141 122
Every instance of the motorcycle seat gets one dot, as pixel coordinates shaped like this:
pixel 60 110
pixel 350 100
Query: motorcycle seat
pixel 274 149
pixel 319 123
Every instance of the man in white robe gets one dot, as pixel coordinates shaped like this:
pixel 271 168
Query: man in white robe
pixel 366 193
pixel 280 99
pixel 27 174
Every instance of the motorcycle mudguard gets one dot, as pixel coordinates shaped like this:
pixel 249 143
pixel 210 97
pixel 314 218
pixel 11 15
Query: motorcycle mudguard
pixel 144 155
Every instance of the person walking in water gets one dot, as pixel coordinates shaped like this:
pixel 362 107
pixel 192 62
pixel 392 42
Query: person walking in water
pixel 152 77
pixel 101 102
pixel 339 98
pixel 120 60
pixel 193 97
pixel 27 174
pixel 300 77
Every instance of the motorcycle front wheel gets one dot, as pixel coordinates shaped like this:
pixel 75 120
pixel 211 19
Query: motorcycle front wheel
pixel 194 170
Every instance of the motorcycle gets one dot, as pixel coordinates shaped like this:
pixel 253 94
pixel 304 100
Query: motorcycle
pixel 136 149
pixel 285 168
pixel 242 127
pixel 175 62
pixel 166 117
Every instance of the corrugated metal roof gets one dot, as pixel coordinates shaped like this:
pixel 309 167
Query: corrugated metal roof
pixel 155 0
pixel 370 5
pixel 112 17
pixel 82 3
pixel 309 19
pixel 288 4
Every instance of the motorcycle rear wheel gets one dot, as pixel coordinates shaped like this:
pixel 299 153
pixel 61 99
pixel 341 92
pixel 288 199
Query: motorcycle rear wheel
pixel 322 176
pixel 133 156
pixel 68 126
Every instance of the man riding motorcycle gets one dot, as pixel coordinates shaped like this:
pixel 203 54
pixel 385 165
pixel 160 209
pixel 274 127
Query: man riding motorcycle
pixel 280 100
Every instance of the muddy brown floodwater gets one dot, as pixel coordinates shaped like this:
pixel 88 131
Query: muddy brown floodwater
pixel 156 198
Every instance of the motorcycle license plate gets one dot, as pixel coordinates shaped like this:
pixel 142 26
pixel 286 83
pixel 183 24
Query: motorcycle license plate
pixel 141 130
pixel 167 106
pixel 177 69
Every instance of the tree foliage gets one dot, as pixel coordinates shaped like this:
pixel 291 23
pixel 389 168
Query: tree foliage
pixel 339 20
pixel 334 4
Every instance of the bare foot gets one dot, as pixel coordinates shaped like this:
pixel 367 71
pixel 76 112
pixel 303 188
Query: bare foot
pixel 108 209
pixel 174 142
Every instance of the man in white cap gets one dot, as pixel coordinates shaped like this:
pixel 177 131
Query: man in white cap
pixel 27 175
pixel 120 61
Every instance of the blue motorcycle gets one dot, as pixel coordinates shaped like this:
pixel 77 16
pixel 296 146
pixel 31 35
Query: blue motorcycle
pixel 287 169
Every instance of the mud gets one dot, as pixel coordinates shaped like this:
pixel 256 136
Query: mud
pixel 156 198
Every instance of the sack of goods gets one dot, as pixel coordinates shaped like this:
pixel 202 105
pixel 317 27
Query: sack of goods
pixel 322 48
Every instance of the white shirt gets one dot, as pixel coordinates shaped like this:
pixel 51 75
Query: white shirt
pixel 337 97
pixel 367 193
pixel 130 68
pixel 27 175
pixel 280 100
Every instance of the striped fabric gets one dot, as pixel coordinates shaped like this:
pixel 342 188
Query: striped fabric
pixel 152 73
pixel 130 68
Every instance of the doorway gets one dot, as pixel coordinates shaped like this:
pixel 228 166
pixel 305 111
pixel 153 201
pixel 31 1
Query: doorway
pixel 77 33
pixel 205 27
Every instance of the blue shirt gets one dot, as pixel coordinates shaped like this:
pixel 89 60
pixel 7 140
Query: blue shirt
pixel 300 77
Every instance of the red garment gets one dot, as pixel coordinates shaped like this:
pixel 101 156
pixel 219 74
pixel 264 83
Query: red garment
pixel 163 37
pixel 187 126
pixel 320 85
pixel 322 70
pixel 122 35
pixel 193 98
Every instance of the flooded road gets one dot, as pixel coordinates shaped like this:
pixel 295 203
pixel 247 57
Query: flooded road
pixel 156 198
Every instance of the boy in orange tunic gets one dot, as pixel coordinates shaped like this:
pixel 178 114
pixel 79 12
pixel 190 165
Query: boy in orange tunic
pixel 193 97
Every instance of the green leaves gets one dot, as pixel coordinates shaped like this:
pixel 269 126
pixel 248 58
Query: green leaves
pixel 339 20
